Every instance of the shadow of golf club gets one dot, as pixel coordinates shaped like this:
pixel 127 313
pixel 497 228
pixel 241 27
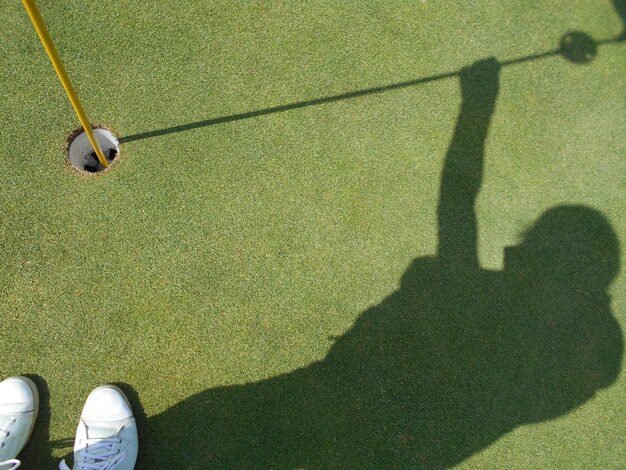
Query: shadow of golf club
pixel 576 47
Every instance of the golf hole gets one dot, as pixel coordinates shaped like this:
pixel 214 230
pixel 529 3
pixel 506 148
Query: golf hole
pixel 82 156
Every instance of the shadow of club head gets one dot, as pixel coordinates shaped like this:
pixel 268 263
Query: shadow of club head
pixel 578 47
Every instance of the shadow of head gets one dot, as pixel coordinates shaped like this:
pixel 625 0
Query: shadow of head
pixel 547 339
pixel 572 248
pixel 571 344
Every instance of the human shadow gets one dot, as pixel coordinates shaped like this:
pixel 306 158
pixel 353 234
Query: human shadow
pixel 451 361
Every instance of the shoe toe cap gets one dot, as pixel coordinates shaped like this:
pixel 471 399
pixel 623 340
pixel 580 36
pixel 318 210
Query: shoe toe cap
pixel 16 395
pixel 107 403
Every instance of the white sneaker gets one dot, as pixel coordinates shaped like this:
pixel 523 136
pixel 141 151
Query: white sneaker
pixel 19 405
pixel 106 437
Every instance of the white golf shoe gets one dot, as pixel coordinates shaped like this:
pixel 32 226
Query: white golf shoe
pixel 106 437
pixel 19 405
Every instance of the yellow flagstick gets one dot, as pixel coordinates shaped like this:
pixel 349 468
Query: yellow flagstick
pixel 44 35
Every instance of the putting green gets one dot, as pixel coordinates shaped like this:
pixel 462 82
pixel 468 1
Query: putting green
pixel 239 239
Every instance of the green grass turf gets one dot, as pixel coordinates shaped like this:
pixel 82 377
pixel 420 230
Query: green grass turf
pixel 227 254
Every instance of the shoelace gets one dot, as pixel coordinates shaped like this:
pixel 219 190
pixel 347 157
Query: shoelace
pixel 101 453
pixel 16 463
pixel 4 433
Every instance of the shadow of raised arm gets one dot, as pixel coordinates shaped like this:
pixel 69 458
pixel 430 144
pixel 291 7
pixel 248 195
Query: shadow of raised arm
pixel 463 167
